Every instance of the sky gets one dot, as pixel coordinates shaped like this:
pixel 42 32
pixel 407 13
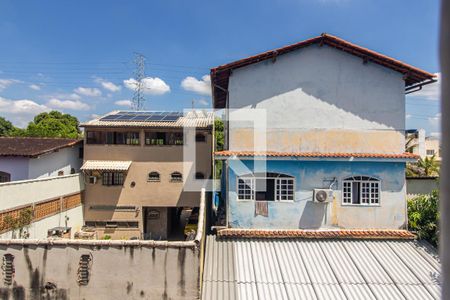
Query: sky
pixel 78 56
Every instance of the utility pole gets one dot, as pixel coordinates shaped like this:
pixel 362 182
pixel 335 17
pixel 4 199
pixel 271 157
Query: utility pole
pixel 139 75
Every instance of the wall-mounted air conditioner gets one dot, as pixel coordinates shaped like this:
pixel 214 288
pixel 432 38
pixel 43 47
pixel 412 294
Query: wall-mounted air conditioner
pixel 92 180
pixel 323 195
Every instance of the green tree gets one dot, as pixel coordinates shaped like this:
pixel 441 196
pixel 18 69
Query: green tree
pixel 54 124
pixel 218 144
pixel 6 127
pixel 423 216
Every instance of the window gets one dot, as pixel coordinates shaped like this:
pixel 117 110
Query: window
pixel 175 138
pixel 155 138
pixel 112 178
pixel 153 176
pixel 176 177
pixel 200 137
pixel 132 138
pixel 94 137
pixel 199 175
pixel 164 138
pixel 361 190
pixel 5 177
pixel 430 152
pixel 266 187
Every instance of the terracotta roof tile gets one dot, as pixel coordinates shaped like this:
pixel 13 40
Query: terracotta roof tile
pixel 405 155
pixel 33 146
pixel 317 234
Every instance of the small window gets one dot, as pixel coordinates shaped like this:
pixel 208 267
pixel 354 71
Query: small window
pixel 60 173
pixel 361 190
pixel 199 175
pixel 153 176
pixel 430 152
pixel 112 178
pixel 132 138
pixel 176 177
pixel 72 171
pixel 175 138
pixel 5 177
pixel 200 137
pixel 94 137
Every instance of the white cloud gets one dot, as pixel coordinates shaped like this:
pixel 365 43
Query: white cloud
pixel 430 91
pixel 127 103
pixel 108 85
pixel 4 83
pixel 408 116
pixel 435 120
pixel 202 87
pixel 202 101
pixel 436 134
pixel 151 85
pixel 35 87
pixel 20 112
pixel 90 92
pixel 67 104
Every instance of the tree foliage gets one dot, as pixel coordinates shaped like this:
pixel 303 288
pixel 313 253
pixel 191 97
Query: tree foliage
pixel 51 124
pixel 423 216
pixel 219 144
pixel 424 167
pixel 6 127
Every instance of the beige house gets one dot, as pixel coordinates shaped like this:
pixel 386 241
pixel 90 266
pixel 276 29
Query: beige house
pixel 137 173
pixel 425 146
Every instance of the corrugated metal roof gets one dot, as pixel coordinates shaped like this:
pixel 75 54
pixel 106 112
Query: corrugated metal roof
pixel 198 119
pixel 292 268
pixel 106 165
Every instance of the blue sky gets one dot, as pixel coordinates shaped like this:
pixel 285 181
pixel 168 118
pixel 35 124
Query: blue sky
pixel 77 56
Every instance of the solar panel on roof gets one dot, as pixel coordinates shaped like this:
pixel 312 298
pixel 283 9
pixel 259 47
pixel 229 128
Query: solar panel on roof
pixel 143 116
pixel 170 118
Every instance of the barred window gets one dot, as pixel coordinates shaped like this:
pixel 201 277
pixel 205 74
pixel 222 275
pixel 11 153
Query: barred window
pixel 176 177
pixel 266 187
pixel 361 190
pixel 112 178
pixel 153 176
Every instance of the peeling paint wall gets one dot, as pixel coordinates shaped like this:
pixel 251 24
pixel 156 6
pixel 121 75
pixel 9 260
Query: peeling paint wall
pixel 130 272
pixel 305 214
pixel 324 91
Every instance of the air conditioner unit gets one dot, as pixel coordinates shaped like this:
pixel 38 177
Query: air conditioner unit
pixel 92 180
pixel 323 195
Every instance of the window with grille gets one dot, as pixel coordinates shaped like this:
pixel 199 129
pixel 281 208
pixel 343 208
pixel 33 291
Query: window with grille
pixel 153 176
pixel 5 177
pixel 266 187
pixel 361 190
pixel 176 177
pixel 112 178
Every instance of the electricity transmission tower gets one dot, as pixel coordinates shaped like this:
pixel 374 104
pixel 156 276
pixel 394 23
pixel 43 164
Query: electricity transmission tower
pixel 139 75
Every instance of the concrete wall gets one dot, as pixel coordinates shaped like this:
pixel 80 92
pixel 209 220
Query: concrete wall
pixel 416 186
pixel 50 164
pixel 38 229
pixel 305 214
pixel 19 193
pixel 117 272
pixel 17 167
pixel 321 99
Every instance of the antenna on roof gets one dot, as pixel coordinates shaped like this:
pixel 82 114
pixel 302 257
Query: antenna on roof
pixel 193 101
pixel 139 75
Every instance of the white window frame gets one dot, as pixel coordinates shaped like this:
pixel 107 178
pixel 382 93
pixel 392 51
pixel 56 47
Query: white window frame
pixel 278 181
pixel 369 191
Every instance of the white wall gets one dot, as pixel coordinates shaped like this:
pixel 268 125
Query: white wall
pixel 319 88
pixel 50 164
pixel 18 193
pixel 16 166
pixel 38 230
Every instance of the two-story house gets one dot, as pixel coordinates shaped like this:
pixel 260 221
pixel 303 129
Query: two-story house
pixel 333 155
pixel 136 171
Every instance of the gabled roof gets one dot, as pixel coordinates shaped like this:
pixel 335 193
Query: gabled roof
pixel 220 75
pixel 33 146
pixel 296 268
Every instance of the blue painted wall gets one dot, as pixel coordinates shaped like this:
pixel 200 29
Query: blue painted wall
pixel 303 213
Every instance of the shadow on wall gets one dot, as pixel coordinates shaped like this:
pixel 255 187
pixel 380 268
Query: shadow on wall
pixel 312 215
pixel 368 91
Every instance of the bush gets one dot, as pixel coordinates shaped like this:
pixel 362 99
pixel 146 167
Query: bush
pixel 423 217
